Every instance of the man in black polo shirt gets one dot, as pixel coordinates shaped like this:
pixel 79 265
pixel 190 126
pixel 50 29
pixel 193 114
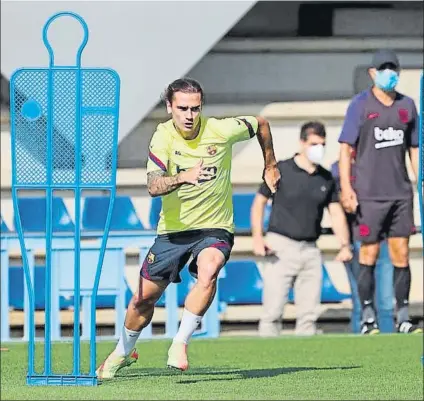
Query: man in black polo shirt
pixel 305 189
pixel 382 125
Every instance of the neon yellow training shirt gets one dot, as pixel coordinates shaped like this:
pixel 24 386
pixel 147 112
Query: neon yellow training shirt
pixel 209 206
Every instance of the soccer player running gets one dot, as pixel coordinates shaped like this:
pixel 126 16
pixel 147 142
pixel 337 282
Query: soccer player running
pixel 189 165
pixel 382 125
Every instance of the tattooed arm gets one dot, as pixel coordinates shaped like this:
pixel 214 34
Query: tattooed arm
pixel 271 173
pixel 265 141
pixel 158 183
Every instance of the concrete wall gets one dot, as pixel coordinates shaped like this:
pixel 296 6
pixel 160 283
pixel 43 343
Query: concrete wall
pixel 285 76
pixel 147 42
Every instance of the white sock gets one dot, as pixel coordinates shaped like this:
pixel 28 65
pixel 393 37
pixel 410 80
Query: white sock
pixel 126 342
pixel 189 323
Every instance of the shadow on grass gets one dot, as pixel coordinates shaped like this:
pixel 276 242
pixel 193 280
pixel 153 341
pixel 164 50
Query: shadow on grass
pixel 211 374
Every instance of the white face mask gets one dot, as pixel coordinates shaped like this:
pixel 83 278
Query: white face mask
pixel 315 153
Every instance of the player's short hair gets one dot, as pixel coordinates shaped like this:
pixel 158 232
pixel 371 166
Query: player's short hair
pixel 312 128
pixel 185 85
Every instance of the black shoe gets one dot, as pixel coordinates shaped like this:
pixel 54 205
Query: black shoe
pixel 369 327
pixel 407 327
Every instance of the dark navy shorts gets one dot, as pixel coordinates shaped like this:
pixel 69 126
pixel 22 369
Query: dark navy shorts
pixel 171 252
pixel 377 220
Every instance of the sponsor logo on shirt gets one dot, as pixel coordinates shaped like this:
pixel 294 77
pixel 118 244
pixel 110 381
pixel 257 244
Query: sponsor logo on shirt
pixel 388 137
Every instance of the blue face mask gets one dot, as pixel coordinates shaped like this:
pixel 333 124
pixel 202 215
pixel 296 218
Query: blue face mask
pixel 386 80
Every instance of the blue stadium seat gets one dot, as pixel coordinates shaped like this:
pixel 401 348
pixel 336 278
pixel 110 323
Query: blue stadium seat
pixel 4 227
pixel 161 301
pixel 187 281
pixel 16 289
pixel 242 284
pixel 33 215
pixel 183 288
pixel 124 216
pixel 155 209
pixel 329 292
pixel 242 204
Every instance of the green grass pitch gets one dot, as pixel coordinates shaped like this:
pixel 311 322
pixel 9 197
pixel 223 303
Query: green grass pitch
pixel 346 367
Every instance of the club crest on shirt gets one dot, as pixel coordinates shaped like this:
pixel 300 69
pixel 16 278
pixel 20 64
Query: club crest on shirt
pixel 150 257
pixel 212 149
pixel 403 115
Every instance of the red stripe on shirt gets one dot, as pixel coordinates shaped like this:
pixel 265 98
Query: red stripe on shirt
pixel 220 245
pixel 157 161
